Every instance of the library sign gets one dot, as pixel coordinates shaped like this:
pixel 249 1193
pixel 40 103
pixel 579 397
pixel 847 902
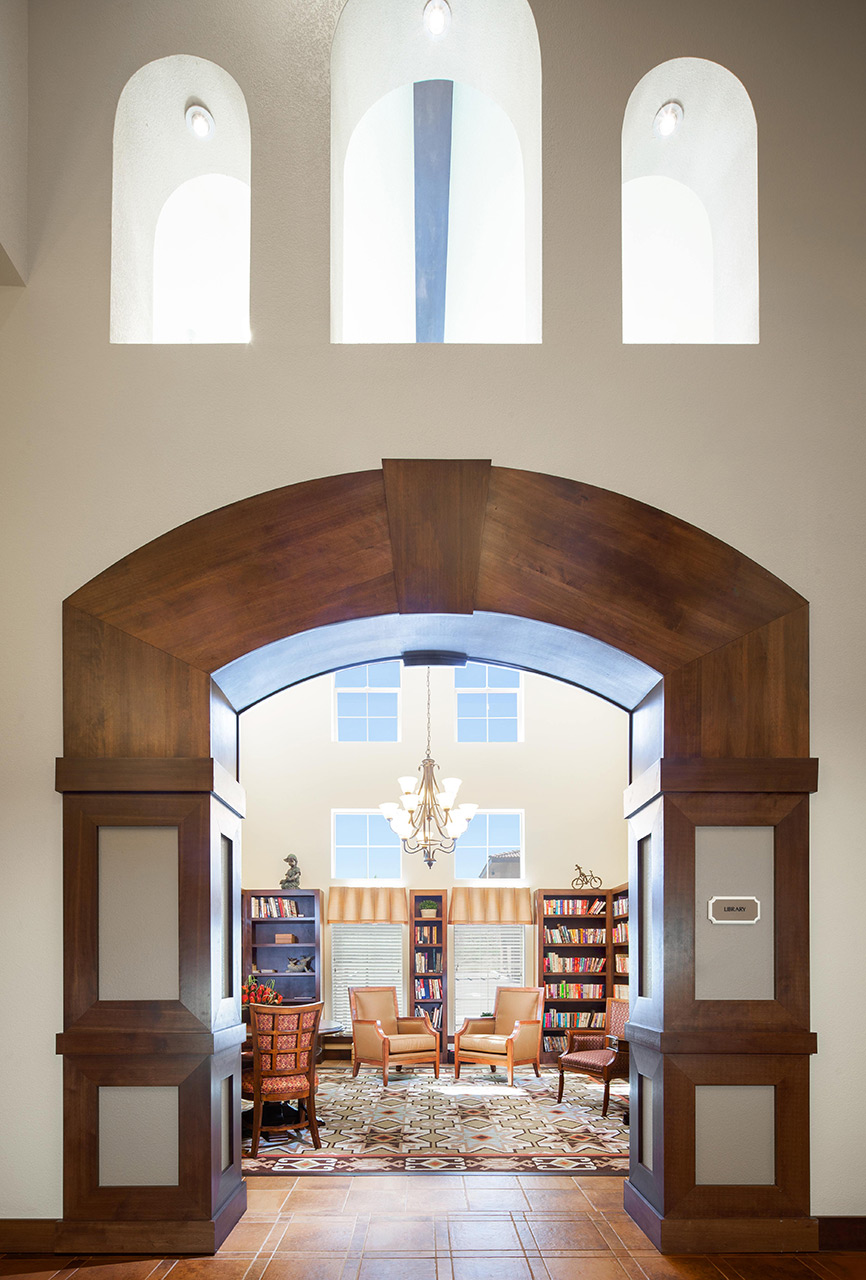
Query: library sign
pixel 734 910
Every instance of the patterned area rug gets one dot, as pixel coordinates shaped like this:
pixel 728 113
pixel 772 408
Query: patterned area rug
pixel 477 1124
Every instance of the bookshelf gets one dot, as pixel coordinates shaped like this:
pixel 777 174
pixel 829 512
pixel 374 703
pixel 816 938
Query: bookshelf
pixel 428 977
pixel 582 959
pixel 265 947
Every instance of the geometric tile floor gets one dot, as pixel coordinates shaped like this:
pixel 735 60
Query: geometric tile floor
pixel 438 1228
pixel 476 1124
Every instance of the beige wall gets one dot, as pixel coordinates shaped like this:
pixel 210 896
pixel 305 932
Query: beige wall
pixel 105 447
pixel 13 142
pixel 567 775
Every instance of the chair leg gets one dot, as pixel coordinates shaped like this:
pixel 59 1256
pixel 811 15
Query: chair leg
pixel 310 1105
pixel 436 1067
pixel 257 1125
pixel 356 1066
pixel 561 1083
pixel 493 1067
pixel 511 1075
pixel 457 1065
pixel 535 1069
pixel 606 1097
pixel 399 1066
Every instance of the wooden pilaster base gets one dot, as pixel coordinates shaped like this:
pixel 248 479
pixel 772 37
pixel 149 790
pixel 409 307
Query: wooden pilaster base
pixel 720 1235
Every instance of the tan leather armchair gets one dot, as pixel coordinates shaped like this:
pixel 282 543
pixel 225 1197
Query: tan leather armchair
pixel 508 1039
pixel 381 1037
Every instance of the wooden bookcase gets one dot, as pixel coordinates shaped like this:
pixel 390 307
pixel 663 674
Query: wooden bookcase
pixel 578 971
pixel 428 960
pixel 262 951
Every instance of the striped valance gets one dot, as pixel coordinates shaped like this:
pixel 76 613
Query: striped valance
pixel 353 904
pixel 490 906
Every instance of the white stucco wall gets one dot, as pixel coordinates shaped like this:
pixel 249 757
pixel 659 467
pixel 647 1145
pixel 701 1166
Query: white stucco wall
pixel 107 446
pixel 13 142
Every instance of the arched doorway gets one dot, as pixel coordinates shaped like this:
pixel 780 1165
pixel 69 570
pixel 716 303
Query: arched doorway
pixel 708 652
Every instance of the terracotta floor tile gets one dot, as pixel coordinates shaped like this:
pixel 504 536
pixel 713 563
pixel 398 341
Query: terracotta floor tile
pixel 264 1202
pixel 446 1200
pixel 836 1266
pixel 32 1267
pixel 767 1266
pixel 251 1235
pixel 500 1200
pixel 546 1181
pixel 400 1235
pixel 629 1232
pixel 299 1200
pixel 490 1268
pixel 210 1268
pixel 571 1200
pixel 311 1265
pixel 117 1268
pixel 326 1182
pixel 484 1181
pixel 675 1266
pixel 267 1183
pixel 476 1234
pixel 562 1236
pixel 603 1193
pixel 317 1234
pixel 404 1268
pixel 431 1181
pixel 584 1268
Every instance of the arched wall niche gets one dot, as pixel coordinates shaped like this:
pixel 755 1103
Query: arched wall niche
pixel 155 154
pixel 713 155
pixel 427 554
pixel 490 48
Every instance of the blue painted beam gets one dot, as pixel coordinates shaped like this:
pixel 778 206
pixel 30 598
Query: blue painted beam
pixel 433 109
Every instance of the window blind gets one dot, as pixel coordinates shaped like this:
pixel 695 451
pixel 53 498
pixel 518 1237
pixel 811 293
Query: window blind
pixel 486 956
pixel 364 955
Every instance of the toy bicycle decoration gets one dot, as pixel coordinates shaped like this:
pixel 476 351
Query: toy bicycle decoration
pixel 585 879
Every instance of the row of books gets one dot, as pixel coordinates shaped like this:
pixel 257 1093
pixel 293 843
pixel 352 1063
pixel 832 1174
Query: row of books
pixel 621 962
pixel 574 906
pixel 574 991
pixel 427 935
pixel 426 962
pixel 562 934
pixel 555 963
pixel 554 1044
pixel 620 931
pixel 620 991
pixel 434 1014
pixel 428 988
pixel 555 1018
pixel 620 906
pixel 274 908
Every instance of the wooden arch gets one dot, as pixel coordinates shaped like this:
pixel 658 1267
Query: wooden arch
pixel 720 738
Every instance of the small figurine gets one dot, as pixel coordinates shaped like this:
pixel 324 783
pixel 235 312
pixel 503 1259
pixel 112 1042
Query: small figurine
pixel 292 878
pixel 300 964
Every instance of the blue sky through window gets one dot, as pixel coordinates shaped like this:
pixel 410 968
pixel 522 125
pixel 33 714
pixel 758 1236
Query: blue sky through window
pixel 368 703
pixel 488 703
pixel 365 848
pixel 479 852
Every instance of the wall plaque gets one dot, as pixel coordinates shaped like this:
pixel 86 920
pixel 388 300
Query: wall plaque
pixel 734 910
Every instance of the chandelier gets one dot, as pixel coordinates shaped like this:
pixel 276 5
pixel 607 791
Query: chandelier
pixel 425 819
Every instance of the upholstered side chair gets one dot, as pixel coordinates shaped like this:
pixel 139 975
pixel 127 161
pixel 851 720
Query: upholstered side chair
pixel 284 1053
pixel 511 1038
pixel 381 1038
pixel 603 1055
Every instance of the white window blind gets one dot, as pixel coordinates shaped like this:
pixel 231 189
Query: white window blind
pixel 364 955
pixel 486 956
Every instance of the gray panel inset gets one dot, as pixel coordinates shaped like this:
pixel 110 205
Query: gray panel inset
pixel 138 1136
pixel 138 913
pixel 227 961
pixel 646 1121
pixel 645 918
pixel 734 962
pixel 735 1135
pixel 226 1144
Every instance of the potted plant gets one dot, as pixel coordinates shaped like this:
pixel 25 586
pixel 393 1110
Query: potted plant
pixel 429 908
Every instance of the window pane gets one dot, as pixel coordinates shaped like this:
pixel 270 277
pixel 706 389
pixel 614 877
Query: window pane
pixel 382 730
pixel 484 852
pixel 350 863
pixel 472 676
pixel 472 704
pixel 469 862
pixel 351 828
pixel 351 678
pixel 504 829
pixel 351 704
pixel 503 678
pixel 502 731
pixel 380 831
pixel 471 730
pixel 384 675
pixel 502 705
pixel 381 704
pixel 476 833
pixel 384 863
pixel 352 730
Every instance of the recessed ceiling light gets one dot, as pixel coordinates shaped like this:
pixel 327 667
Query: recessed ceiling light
pixel 199 121
pixel 437 17
pixel 667 120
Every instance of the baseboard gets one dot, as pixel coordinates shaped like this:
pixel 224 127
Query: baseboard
pixel 720 1235
pixel 842 1234
pixel 28 1235
pixel 165 1237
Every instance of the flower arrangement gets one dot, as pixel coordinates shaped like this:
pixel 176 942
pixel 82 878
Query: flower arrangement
pixel 253 992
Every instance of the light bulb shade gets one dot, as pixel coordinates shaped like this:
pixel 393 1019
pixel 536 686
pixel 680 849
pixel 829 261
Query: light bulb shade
pixel 467 811
pixel 437 17
pixel 446 799
pixel 451 785
pixel 409 802
pixel 407 785
pixel 389 809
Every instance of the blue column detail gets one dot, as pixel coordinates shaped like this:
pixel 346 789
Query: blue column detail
pixel 433 108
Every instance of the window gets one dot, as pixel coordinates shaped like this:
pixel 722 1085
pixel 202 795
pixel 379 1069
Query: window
pixel 689 207
pixel 365 847
pixel 488 703
pixel 436 174
pixel 367 703
pixel 180 206
pixel 491 848
pixel 486 956
pixel 364 955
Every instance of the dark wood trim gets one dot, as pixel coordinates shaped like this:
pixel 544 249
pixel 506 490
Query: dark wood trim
pixel 157 1236
pixel 110 774
pixel 720 1235
pixel 842 1235
pixel 709 1041
pixel 739 776
pixel 435 516
pixel 28 1235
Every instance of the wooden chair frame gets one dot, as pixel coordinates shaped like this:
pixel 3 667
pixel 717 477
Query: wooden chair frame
pixel 618 1066
pixel 371 1047
pixel 305 1097
pixel 516 1043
